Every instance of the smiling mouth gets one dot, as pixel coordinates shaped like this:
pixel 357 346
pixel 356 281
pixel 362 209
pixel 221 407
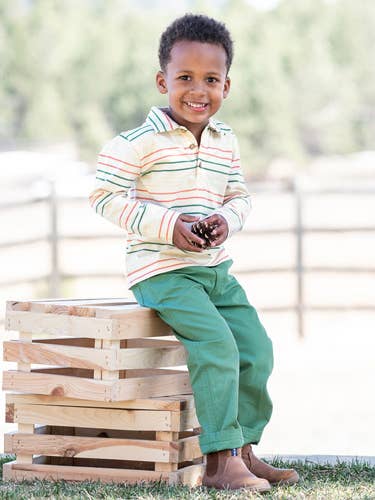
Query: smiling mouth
pixel 197 106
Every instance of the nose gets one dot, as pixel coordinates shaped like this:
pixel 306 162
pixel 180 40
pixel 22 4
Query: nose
pixel 197 88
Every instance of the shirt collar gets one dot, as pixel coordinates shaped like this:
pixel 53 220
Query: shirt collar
pixel 161 122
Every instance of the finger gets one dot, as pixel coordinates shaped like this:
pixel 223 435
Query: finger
pixel 191 247
pixel 193 238
pixel 190 236
pixel 188 218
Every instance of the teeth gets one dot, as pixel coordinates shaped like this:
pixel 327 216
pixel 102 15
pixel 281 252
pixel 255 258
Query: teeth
pixel 194 105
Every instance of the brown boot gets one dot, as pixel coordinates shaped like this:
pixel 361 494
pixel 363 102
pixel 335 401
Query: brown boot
pixel 226 471
pixel 261 469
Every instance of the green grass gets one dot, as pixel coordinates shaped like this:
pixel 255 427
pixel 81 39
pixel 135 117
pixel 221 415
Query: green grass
pixel 351 481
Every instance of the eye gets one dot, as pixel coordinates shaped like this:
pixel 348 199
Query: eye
pixel 212 79
pixel 184 77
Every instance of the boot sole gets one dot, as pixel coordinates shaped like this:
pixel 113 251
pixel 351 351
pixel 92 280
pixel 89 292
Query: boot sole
pixel 258 489
pixel 292 480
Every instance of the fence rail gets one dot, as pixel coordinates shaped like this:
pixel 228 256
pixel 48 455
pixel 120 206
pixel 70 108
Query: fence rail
pixel 55 277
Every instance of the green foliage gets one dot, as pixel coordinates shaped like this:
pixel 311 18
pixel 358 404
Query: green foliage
pixel 84 70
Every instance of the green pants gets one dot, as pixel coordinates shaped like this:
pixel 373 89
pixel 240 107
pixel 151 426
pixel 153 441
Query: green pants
pixel 229 353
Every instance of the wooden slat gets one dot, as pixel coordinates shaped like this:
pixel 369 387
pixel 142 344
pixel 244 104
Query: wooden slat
pixel 112 373
pixel 174 403
pixel 45 305
pixel 97 417
pixel 57 385
pixel 56 324
pixel 152 357
pixel 137 323
pixel 188 449
pixel 171 465
pixel 92 447
pixel 57 354
pixel 154 385
pixel 190 476
pixel 19 472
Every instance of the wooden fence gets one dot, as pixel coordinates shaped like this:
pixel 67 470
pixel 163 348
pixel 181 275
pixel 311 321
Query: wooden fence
pixel 300 194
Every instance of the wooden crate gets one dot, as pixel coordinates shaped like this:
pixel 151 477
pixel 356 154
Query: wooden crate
pixel 129 441
pixel 97 349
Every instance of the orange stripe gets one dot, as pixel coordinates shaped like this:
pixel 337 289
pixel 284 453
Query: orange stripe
pixel 117 168
pixel 122 213
pixel 225 257
pixel 217 149
pixel 168 120
pixel 127 218
pixel 177 199
pixel 167 156
pixel 169 223
pixel 148 265
pixel 181 191
pixel 96 197
pixel 157 151
pixel 161 223
pixel 216 156
pixel 121 161
pixel 164 267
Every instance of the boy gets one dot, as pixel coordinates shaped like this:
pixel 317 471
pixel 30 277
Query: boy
pixel 156 181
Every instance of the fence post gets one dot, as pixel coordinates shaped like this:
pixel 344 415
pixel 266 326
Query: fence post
pixel 300 309
pixel 54 284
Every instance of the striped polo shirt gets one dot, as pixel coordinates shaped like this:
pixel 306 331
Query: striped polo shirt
pixel 148 176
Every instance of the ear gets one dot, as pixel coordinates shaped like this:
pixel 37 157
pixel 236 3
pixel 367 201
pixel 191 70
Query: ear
pixel 161 82
pixel 226 87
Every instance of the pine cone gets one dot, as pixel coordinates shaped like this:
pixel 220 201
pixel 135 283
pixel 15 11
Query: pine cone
pixel 204 230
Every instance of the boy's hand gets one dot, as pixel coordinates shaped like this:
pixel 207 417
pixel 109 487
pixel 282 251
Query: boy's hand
pixel 183 238
pixel 220 233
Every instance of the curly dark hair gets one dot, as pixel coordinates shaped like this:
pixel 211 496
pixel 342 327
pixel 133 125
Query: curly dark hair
pixel 194 28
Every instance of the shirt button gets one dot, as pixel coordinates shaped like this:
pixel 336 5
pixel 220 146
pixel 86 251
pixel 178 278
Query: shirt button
pixel 192 146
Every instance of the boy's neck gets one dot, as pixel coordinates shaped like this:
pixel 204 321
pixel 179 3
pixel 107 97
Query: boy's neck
pixel 195 129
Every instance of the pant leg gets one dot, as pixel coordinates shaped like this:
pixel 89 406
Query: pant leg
pixel 255 351
pixel 181 299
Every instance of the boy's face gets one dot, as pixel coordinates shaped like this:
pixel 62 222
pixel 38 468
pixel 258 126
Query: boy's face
pixel 196 83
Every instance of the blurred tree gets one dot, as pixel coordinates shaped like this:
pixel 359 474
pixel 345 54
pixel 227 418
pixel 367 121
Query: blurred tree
pixel 84 70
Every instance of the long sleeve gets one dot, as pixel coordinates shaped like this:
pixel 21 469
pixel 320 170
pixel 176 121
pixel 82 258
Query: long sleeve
pixel 117 171
pixel 237 204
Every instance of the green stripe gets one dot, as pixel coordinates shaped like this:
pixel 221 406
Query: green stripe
pixel 135 131
pixel 168 170
pixel 115 175
pixel 174 162
pixel 150 243
pixel 194 205
pixel 152 121
pixel 212 170
pixel 143 250
pixel 236 214
pixel 238 182
pixel 136 217
pixel 216 163
pixel 101 201
pixel 142 133
pixel 111 182
pixel 243 198
pixel 160 120
pixel 144 210
pixel 196 213
pixel 139 135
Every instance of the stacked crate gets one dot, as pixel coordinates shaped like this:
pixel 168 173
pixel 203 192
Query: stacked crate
pixel 96 395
